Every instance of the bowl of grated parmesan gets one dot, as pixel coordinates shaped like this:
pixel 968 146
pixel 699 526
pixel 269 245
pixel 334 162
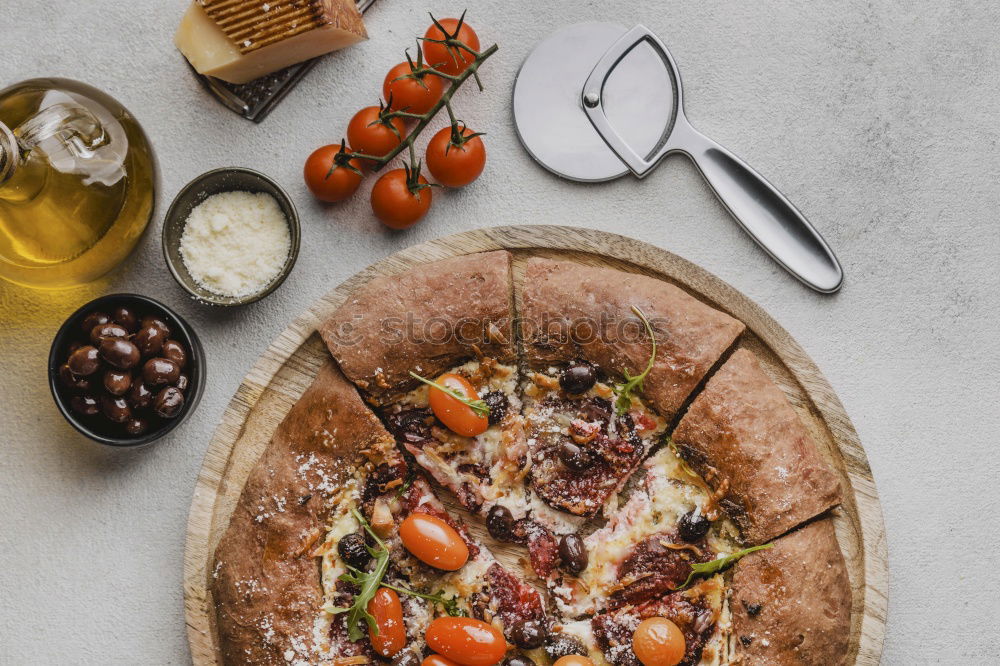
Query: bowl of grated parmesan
pixel 231 236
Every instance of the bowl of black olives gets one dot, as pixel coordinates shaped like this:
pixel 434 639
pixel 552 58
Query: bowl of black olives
pixel 125 370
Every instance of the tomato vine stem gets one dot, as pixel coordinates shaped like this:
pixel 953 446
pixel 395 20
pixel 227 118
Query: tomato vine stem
pixel 424 119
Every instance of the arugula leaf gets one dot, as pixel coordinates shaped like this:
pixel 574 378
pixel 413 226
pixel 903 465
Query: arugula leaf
pixel 631 384
pixel 368 581
pixel 715 566
pixel 478 406
pixel 450 605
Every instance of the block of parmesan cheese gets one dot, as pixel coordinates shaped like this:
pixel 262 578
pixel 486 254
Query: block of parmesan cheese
pixel 241 40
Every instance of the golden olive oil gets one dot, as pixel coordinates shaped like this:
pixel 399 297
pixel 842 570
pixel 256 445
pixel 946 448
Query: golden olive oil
pixel 77 189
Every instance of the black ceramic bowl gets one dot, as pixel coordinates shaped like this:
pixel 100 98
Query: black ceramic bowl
pixel 227 179
pixel 97 427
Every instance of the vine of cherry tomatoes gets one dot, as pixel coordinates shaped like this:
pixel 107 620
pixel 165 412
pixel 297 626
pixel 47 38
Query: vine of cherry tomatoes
pixel 413 93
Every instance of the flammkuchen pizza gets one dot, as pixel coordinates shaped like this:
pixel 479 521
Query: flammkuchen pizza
pixel 671 506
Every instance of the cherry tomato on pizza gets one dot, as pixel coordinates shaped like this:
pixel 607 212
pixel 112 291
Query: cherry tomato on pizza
pixel 371 134
pixel 437 660
pixel 456 415
pixel 329 175
pixel 658 642
pixel 450 59
pixel 405 91
pixel 434 542
pixel 456 163
pixel 466 641
pixel 387 610
pixel 573 660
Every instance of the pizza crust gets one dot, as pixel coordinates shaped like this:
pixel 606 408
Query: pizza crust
pixel 743 437
pixel 791 603
pixel 266 582
pixel 571 311
pixel 426 320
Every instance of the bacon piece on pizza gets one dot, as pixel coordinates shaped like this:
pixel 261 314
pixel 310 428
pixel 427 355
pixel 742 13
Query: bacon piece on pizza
pixel 742 435
pixel 265 583
pixel 572 312
pixel 791 603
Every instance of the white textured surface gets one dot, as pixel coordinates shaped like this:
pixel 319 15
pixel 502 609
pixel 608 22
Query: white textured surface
pixel 880 120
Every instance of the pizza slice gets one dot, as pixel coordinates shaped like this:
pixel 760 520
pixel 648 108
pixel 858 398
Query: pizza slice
pixel 442 374
pixel 744 438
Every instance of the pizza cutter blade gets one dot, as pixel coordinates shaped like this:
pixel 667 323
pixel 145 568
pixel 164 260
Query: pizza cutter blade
pixel 595 101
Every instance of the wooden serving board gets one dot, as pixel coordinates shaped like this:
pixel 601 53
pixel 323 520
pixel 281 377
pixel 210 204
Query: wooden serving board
pixel 288 366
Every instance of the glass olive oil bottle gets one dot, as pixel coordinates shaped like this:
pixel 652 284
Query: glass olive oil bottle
pixel 77 180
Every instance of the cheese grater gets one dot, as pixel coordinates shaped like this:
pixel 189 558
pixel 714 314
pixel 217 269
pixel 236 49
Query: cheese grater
pixel 255 99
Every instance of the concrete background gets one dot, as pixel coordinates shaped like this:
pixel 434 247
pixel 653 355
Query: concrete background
pixel 880 121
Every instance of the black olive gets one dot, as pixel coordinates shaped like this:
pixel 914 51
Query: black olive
pixel 498 404
pixel 529 635
pixel 574 457
pixel 518 660
pixel 117 382
pixel 136 426
pixel 572 553
pixel 84 361
pixel 71 381
pixel 158 322
pixel 405 658
pixel 139 396
pixel 500 523
pixel 85 405
pixel 93 319
pixel 168 402
pixel 157 371
pixel 578 378
pixel 353 551
pixel 693 526
pixel 174 351
pixel 560 645
pixel 753 610
pixel 115 408
pixel 182 382
pixel 119 352
pixel 108 330
pixel 149 340
pixel 125 317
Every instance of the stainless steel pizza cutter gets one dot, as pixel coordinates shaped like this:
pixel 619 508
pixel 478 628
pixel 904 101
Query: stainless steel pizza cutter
pixel 596 101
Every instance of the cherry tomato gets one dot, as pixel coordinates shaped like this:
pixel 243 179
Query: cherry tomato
pixel 456 415
pixel 433 542
pixel 388 613
pixel 455 166
pixel 395 205
pixel 411 94
pixel 326 185
pixel 366 134
pixel 437 660
pixel 466 641
pixel 658 642
pixel 573 660
pixel 452 60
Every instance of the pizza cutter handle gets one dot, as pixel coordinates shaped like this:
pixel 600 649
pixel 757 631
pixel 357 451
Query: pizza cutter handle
pixel 763 212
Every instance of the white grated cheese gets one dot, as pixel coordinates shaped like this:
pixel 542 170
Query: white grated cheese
pixel 235 243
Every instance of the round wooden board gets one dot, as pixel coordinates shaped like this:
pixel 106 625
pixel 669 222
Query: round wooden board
pixel 288 366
